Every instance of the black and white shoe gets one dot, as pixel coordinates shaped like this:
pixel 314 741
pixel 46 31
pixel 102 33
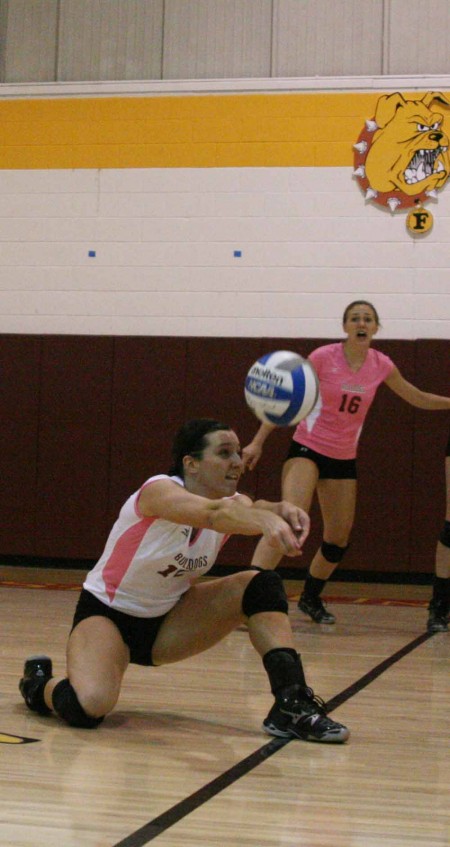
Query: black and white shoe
pixel 36 673
pixel 301 714
pixel 438 617
pixel 315 609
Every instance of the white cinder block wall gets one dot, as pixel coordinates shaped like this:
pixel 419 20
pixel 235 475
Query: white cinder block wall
pixel 244 221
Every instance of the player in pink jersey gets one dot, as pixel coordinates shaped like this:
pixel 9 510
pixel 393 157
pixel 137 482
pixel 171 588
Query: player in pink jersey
pixel 322 455
pixel 143 604
pixel 439 606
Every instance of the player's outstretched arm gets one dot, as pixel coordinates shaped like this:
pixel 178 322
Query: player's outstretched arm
pixel 231 515
pixel 413 395
pixel 297 518
pixel 252 452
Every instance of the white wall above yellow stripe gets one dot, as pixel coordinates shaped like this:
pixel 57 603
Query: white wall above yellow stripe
pixel 196 213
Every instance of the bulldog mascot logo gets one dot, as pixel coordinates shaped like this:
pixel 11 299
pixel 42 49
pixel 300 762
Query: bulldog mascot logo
pixel 401 156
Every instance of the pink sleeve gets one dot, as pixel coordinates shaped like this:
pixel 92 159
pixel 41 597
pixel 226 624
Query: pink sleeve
pixel 317 357
pixel 387 365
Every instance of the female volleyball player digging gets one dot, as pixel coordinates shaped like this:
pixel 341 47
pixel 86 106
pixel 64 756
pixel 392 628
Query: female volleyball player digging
pixel 322 455
pixel 142 603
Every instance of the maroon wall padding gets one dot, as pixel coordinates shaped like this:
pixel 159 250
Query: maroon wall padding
pixel 148 406
pixel 19 401
pixel 86 419
pixel 430 435
pixel 380 540
pixel 74 445
pixel 215 374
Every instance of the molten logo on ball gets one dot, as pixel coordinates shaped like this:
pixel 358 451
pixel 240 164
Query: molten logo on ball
pixel 281 388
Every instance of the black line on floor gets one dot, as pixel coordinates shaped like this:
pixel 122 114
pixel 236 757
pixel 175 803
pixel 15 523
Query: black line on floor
pixel 375 672
pixel 159 824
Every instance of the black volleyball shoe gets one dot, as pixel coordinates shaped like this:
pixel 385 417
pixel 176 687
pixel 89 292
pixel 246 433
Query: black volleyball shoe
pixel 314 607
pixel 36 673
pixel 438 617
pixel 298 713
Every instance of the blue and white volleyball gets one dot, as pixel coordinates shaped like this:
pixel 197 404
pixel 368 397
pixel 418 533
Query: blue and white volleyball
pixel 281 388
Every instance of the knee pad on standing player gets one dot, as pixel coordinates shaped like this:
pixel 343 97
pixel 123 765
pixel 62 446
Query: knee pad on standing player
pixel 444 537
pixel 264 593
pixel 332 552
pixel 68 707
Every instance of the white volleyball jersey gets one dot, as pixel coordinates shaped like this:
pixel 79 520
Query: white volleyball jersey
pixel 148 563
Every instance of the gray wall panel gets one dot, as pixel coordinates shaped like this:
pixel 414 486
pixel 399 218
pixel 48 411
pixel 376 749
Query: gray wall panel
pixel 30 50
pixel 101 40
pixel 319 38
pixel 418 37
pixel 212 39
pixel 110 39
pixel 3 30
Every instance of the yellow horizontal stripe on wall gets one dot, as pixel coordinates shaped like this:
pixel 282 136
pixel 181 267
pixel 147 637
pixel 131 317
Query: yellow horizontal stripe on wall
pixel 241 130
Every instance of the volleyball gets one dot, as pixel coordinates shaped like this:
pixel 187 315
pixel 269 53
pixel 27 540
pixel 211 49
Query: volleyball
pixel 281 388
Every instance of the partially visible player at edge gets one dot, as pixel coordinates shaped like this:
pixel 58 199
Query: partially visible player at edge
pixel 322 455
pixel 143 603
pixel 439 607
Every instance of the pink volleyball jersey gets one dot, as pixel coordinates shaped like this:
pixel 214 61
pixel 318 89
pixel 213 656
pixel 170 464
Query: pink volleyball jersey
pixel 148 563
pixel 334 425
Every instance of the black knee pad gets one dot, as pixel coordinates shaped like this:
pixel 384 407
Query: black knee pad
pixel 264 593
pixel 444 537
pixel 332 553
pixel 67 706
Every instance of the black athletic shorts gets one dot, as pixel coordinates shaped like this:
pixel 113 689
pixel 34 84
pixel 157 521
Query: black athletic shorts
pixel 328 468
pixel 139 634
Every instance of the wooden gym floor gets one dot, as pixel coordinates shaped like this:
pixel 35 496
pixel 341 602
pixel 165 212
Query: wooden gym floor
pixel 183 762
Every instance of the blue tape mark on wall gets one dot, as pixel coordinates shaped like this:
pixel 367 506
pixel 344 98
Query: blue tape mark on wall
pixel 92 254
pixel 237 254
